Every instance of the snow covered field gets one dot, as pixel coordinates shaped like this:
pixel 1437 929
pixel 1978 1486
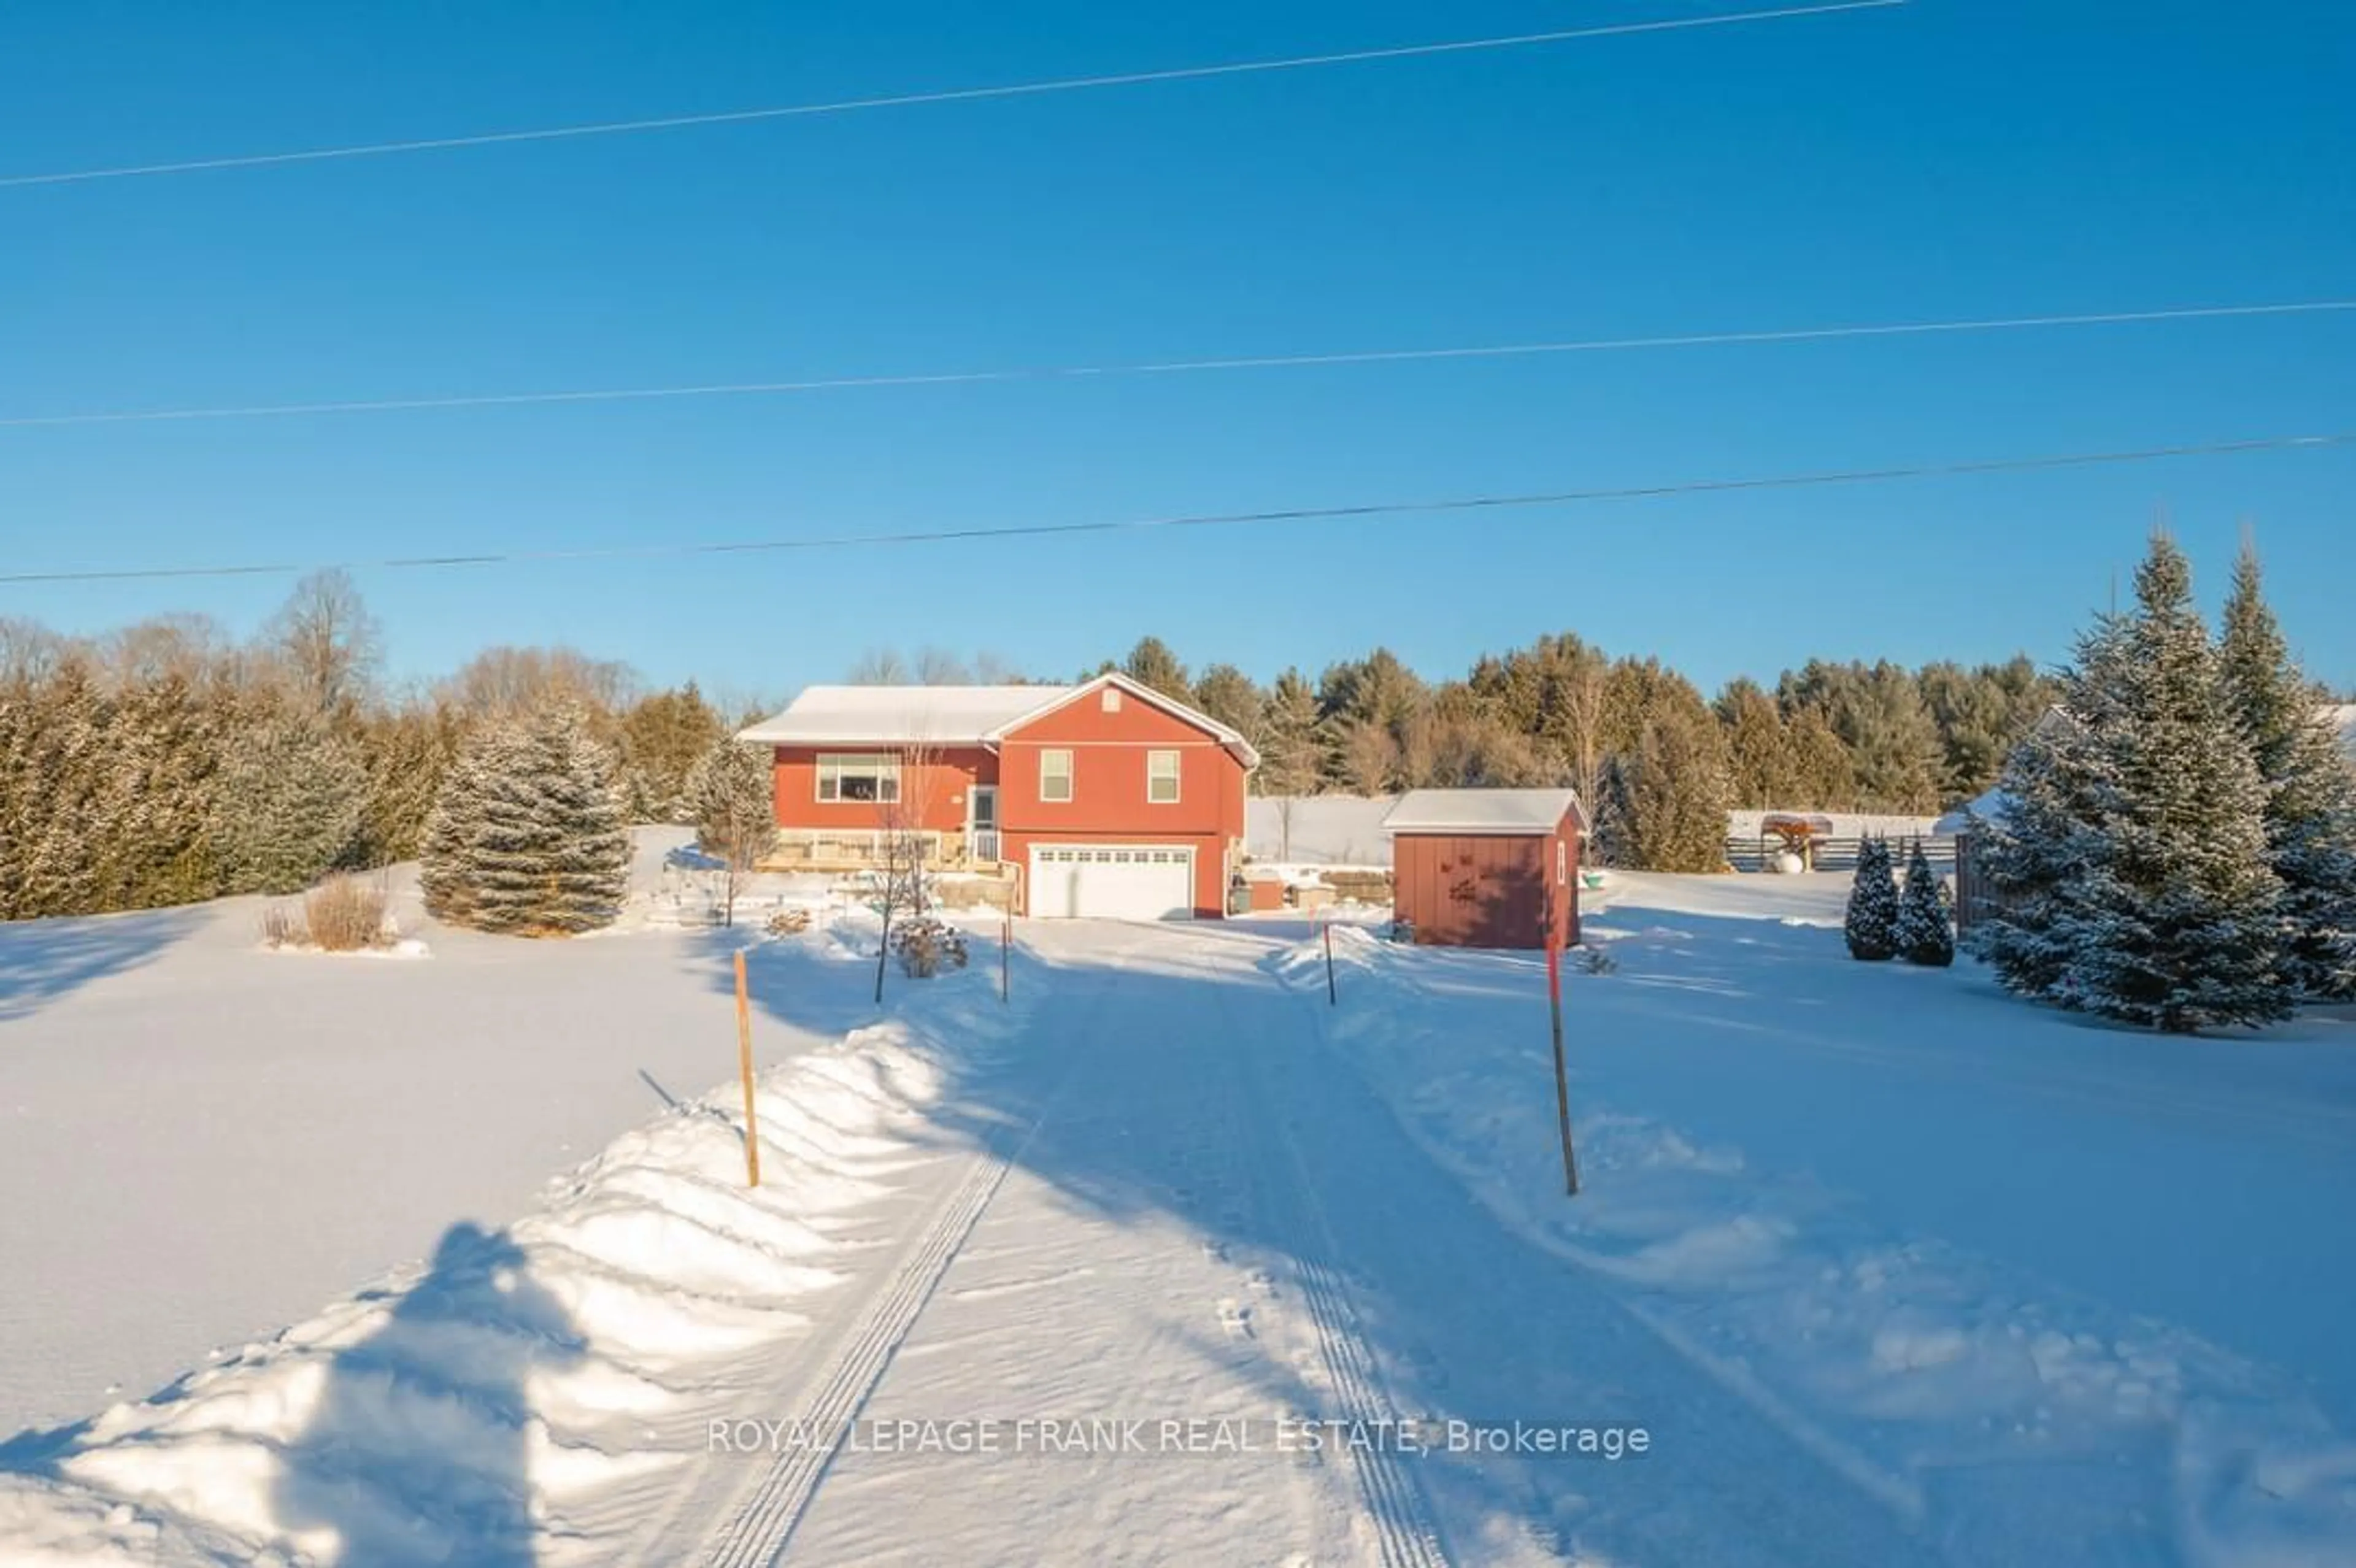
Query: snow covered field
pixel 202 1139
pixel 1873 1267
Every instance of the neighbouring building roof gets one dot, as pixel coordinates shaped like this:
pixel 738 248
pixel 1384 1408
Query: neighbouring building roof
pixel 951 715
pixel 1989 807
pixel 1504 812
pixel 929 715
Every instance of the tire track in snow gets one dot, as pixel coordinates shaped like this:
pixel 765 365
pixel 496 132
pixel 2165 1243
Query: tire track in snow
pixel 1406 1534
pixel 758 1534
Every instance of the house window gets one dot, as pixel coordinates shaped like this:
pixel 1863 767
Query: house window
pixel 1162 777
pixel 1054 775
pixel 1562 863
pixel 847 777
pixel 1112 699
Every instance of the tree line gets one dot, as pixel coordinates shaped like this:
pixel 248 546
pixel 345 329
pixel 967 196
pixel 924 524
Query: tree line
pixel 169 763
pixel 1660 763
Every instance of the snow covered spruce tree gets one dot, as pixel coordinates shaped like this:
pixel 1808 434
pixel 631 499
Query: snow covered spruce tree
pixel 289 799
pixel 1871 923
pixel 2132 863
pixel 730 796
pixel 1922 935
pixel 527 835
pixel 2310 792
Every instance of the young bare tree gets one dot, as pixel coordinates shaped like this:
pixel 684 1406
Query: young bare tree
pixel 902 849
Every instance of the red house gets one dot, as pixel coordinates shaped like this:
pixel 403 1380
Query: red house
pixel 1105 799
pixel 1487 868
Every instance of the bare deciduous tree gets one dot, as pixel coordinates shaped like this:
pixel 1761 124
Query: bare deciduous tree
pixel 879 667
pixel 501 681
pixel 331 645
pixel 938 667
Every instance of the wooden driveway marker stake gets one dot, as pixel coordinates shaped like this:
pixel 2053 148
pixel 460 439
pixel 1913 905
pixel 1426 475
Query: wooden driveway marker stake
pixel 1562 1076
pixel 745 1067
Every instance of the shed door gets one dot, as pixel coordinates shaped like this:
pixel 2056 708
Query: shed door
pixel 1112 882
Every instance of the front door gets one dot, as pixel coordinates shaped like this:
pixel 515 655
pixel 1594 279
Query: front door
pixel 982 832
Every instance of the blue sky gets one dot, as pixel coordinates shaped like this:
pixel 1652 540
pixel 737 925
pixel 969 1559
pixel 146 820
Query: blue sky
pixel 1942 160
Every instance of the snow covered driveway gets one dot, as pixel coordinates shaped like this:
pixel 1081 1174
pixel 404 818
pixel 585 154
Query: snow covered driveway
pixel 1211 1238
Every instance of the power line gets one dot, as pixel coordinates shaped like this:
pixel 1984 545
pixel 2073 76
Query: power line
pixel 952 95
pixel 1460 504
pixel 1181 367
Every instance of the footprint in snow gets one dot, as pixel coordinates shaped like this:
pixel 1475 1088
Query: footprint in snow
pixel 1235 1319
pixel 1215 1252
pixel 1260 1280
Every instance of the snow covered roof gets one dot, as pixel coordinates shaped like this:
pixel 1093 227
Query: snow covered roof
pixel 934 715
pixel 1989 805
pixel 951 715
pixel 1509 812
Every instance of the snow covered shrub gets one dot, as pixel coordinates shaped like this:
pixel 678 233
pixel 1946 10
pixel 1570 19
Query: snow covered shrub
pixel 1923 935
pixel 346 915
pixel 926 946
pixel 1871 925
pixel 790 922
pixel 527 835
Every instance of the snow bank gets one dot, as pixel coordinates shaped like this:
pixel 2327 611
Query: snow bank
pixel 2010 1416
pixel 449 1413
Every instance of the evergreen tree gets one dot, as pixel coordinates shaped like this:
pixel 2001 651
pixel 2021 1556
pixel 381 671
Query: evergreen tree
pixel 1664 805
pixel 154 820
pixel 1871 922
pixel 290 802
pixel 730 796
pixel 1922 935
pixel 1229 695
pixel 1151 664
pixel 2310 792
pixel 2144 894
pixel 2040 849
pixel 1287 747
pixel 1759 758
pixel 1823 778
pixel 662 737
pixel 529 836
pixel 408 753
pixel 1893 741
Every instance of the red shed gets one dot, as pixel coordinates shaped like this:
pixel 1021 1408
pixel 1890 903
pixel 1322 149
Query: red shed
pixel 1487 868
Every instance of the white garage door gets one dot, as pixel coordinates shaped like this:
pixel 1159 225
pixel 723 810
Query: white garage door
pixel 1112 882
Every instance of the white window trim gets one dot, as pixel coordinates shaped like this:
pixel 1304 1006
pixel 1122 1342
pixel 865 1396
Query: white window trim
pixel 1071 762
pixel 1177 772
pixel 883 765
